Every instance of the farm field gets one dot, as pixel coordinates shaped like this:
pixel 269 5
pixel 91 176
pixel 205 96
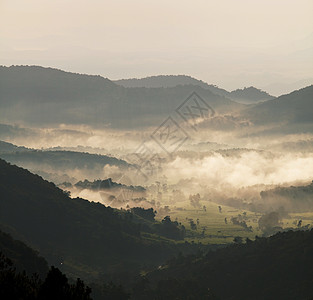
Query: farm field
pixel 212 226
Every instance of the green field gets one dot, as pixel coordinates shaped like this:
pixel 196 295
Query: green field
pixel 211 225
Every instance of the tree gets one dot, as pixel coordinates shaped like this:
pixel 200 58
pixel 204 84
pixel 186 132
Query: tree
pixel 147 214
pixel 56 286
pixel 193 225
pixel 170 229
pixel 16 285
pixel 195 200
pixel 269 222
pixel 238 240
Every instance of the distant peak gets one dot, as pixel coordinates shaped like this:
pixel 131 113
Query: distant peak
pixel 250 94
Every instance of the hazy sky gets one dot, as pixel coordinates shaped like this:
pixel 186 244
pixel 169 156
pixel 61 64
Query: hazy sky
pixel 231 43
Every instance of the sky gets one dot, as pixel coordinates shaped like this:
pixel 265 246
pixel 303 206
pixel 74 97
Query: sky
pixel 233 44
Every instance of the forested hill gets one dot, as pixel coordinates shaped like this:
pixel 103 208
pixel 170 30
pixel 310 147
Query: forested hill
pixel 63 159
pixel 11 148
pixel 245 95
pixel 82 237
pixel 166 81
pixel 296 107
pixel 296 198
pixel 23 257
pixel 278 267
pixel 250 95
pixel 43 96
pixel 25 276
pixel 59 165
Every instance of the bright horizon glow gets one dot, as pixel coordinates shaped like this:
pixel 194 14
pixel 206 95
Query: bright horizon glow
pixel 267 44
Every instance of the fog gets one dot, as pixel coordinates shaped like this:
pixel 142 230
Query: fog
pixel 222 166
pixel 250 168
pixel 156 148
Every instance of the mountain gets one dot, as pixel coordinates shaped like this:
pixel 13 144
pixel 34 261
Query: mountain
pixel 166 81
pixel 246 96
pixel 62 160
pixel 278 267
pixel 293 108
pixel 249 95
pixel 43 96
pixel 11 148
pixel 59 166
pixel 82 238
pixel 280 88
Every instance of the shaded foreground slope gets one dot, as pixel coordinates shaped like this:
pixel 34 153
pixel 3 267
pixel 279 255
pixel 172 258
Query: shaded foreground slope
pixel 82 238
pixel 23 257
pixel 279 267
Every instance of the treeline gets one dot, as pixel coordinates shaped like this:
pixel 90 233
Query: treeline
pixel 106 185
pixel 167 228
pixel 294 198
